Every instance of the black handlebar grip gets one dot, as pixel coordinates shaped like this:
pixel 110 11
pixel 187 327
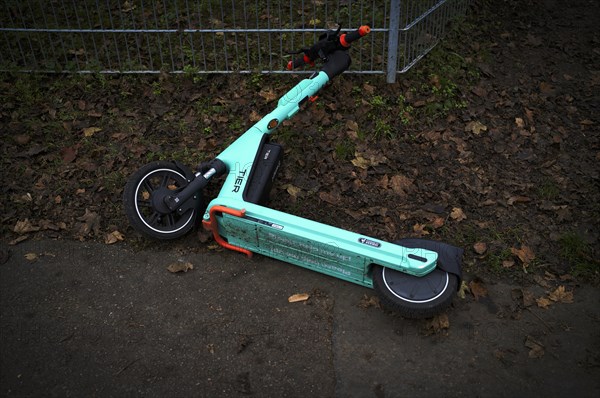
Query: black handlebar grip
pixel 348 38
pixel 298 62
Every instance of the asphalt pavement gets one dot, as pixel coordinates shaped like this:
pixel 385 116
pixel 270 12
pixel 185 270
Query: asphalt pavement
pixel 87 319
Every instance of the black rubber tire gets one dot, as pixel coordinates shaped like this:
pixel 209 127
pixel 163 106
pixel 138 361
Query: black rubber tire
pixel 414 297
pixel 157 178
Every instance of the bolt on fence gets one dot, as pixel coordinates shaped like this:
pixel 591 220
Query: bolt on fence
pixel 212 36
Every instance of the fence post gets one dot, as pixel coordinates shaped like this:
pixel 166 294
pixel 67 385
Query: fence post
pixel 392 58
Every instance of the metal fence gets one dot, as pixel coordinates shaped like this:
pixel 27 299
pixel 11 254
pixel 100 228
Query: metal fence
pixel 211 36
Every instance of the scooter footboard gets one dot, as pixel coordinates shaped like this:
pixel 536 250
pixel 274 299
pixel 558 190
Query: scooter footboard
pixel 309 244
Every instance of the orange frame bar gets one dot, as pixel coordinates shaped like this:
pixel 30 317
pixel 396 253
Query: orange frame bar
pixel 213 226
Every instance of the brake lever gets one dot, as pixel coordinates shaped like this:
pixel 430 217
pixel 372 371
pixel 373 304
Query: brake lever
pixel 331 35
pixel 322 48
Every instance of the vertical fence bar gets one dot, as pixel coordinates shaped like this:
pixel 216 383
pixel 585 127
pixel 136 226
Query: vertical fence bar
pixel 62 42
pixel 177 24
pixel 394 30
pixel 270 68
pixel 28 37
pixel 246 33
pixel 114 36
pixel 40 44
pixel 150 36
pixel 224 37
pixel 145 26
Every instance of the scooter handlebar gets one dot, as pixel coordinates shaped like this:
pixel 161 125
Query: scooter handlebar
pixel 347 38
pixel 328 45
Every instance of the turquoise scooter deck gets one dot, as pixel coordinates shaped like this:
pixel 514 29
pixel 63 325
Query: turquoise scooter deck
pixel 316 246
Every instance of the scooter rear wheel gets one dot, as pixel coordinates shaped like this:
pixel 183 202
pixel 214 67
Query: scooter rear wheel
pixel 412 296
pixel 143 200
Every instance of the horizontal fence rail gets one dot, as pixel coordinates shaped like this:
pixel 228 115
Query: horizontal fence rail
pixel 212 36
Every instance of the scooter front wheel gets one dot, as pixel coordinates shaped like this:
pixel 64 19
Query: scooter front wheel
pixel 143 199
pixel 412 296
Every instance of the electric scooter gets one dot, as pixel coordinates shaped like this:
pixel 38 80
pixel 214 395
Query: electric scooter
pixel 417 278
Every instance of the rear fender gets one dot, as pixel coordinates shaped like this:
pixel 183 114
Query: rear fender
pixel 449 257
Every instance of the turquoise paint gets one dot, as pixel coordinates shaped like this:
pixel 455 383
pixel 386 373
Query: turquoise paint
pixel 320 247
pixel 239 156
pixel 310 244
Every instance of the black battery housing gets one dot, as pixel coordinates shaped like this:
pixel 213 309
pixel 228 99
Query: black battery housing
pixel 263 173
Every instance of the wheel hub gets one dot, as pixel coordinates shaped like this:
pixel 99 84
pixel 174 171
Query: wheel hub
pixel 158 200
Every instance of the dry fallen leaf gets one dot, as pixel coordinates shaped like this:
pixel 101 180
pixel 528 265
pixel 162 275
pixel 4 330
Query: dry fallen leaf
pixel 294 298
pixel 517 199
pixel 49 225
pixel 90 223
pixel 180 267
pixel 400 184
pixel 529 114
pixel 364 163
pixel 361 162
pixel 520 123
pixel 293 190
pixel 27 198
pixel 420 230
pixel 254 116
pixel 127 6
pixel 352 125
pixel 368 89
pixel 268 94
pixel 525 254
pixel 457 214
pixel 479 91
pixel 549 276
pixel 437 222
pixel 369 301
pixel 90 131
pixel 560 295
pixel 480 248
pixel 25 226
pixel 475 127
pixel 384 182
pixel 438 323
pixel 68 154
pixel 113 237
pixel 462 291
pixel 478 288
pixel 543 302
pixel 543 282
pixel 31 256
pixel 210 348
pixel 536 349
pixel 18 240
pixel 333 198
